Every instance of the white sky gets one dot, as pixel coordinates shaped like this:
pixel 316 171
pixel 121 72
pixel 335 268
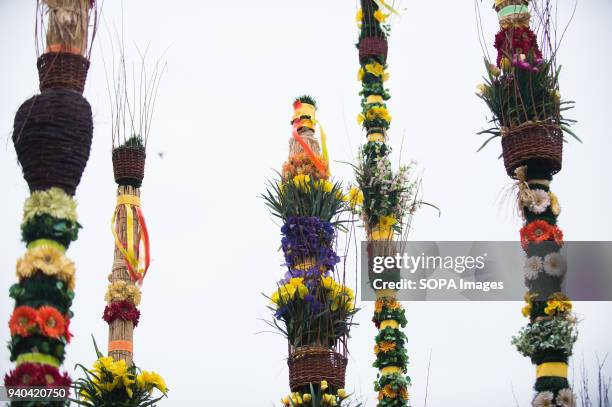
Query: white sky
pixel 222 122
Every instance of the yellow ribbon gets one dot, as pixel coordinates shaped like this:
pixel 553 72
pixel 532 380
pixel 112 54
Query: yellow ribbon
pixel 385 371
pixel 376 137
pixel 556 369
pixel 324 145
pixel 127 201
pixel 46 242
pixel 382 3
pixel 389 323
pixel 375 99
pixel 39 358
pixel 305 109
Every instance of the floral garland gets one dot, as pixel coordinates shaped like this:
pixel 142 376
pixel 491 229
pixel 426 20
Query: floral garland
pixel 122 291
pixel 125 310
pixel 383 198
pixel 321 395
pixel 40 322
pixel 549 337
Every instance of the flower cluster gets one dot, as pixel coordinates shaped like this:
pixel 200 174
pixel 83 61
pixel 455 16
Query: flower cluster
pixel 555 335
pixel 124 309
pixel 308 239
pixel 115 383
pixel 40 322
pixel 514 45
pixel 552 264
pixel 392 390
pixel 540 231
pixel 565 398
pixel 386 309
pixel 48 260
pixel 38 375
pixel 46 320
pixel 302 164
pixel 319 395
pixel 122 291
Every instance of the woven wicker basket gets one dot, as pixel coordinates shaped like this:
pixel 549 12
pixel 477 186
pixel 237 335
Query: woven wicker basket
pixel 372 47
pixel 312 364
pixel 62 70
pixel 538 144
pixel 52 137
pixel 128 165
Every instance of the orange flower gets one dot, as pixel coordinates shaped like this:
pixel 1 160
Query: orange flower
pixel 379 305
pixel 388 392
pixel 51 322
pixel 404 393
pixel 386 346
pixel 23 321
pixel 539 231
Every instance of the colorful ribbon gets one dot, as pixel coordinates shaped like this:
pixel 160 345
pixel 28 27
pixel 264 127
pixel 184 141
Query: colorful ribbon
pixel 315 160
pixel 39 358
pixel 382 3
pixel 554 369
pixel 133 261
pixel 126 346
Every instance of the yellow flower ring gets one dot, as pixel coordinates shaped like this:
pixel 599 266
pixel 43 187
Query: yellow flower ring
pixel 122 290
pixel 54 202
pixel 49 260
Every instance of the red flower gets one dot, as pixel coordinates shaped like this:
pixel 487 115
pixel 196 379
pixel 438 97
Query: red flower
pixel 67 333
pixel 51 322
pixel 124 310
pixel 23 321
pixel 32 374
pixel 516 40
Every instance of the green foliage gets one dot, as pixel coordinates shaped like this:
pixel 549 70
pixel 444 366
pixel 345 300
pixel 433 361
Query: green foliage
pixel 47 227
pixel 387 313
pixel 521 96
pixel 308 199
pixel 37 343
pixel 306 99
pixel 556 334
pixel 135 140
pixel 396 357
pixel 40 290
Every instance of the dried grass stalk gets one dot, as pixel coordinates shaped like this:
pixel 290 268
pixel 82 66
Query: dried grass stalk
pixel 309 137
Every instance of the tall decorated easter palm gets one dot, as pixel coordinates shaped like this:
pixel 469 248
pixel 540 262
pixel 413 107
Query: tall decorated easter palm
pixel 386 199
pixel 312 305
pixel 52 135
pixel 522 91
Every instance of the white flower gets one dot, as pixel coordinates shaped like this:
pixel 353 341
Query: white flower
pixel 533 266
pixel 543 399
pixel 566 398
pixel 540 200
pixel 554 265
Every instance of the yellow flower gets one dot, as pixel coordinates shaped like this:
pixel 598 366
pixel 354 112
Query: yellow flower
pixel 526 310
pixel 122 290
pixel 494 70
pixel 285 401
pixel 386 222
pixel 556 96
pixel 287 292
pixel 481 89
pixel 360 118
pixel 375 69
pixel 378 112
pixel 359 16
pixel 149 380
pixel 554 204
pixel 360 74
pixel 53 201
pixel 328 282
pixel 388 392
pixel 380 16
pixel 50 261
pixel 302 181
pixel 324 385
pixel 342 393
pixel 354 197
pixel 558 303
pixel 329 400
pixel 296 399
pixel 307 397
pixel 275 297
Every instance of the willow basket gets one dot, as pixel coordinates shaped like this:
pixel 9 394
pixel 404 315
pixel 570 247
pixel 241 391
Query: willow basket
pixel 373 47
pixel 129 165
pixel 539 145
pixel 312 364
pixel 52 137
pixel 62 70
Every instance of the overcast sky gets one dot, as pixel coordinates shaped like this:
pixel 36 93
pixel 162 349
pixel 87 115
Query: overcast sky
pixel 222 123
